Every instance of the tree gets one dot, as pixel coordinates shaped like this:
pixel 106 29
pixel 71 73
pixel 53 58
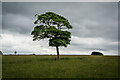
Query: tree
pixel 15 52
pixel 1 53
pixel 54 27
pixel 96 53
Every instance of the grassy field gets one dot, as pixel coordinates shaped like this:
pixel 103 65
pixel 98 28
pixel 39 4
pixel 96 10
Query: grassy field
pixel 0 66
pixel 67 67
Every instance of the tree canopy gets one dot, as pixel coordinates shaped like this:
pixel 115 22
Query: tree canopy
pixel 96 53
pixel 53 26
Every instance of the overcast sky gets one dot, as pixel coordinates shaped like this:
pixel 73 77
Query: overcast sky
pixel 95 27
pixel 60 0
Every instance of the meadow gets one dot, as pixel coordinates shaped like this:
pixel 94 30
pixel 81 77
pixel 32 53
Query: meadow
pixel 0 66
pixel 41 66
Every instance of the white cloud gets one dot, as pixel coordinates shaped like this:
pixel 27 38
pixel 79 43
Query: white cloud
pixel 86 45
pixel 88 41
pixel 23 43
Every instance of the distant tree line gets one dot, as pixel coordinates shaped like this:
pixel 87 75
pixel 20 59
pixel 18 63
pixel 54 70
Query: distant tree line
pixel 96 53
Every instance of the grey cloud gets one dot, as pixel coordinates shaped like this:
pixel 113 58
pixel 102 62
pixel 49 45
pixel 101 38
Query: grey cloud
pixel 105 14
pixel 60 1
pixel 17 23
pixel 89 20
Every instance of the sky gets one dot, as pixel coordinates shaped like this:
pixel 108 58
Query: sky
pixel 95 27
pixel 60 0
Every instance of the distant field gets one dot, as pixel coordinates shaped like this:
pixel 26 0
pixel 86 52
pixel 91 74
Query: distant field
pixel 0 66
pixel 67 67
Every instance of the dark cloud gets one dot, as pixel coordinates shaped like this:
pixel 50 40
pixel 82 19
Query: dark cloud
pixel 17 23
pixel 80 14
pixel 89 20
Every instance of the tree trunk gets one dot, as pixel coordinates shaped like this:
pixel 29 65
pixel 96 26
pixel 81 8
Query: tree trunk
pixel 57 48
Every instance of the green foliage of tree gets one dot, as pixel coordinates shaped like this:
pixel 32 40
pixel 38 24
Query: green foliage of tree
pixel 53 26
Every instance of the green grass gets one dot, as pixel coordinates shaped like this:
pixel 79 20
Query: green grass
pixel 67 67
pixel 0 66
